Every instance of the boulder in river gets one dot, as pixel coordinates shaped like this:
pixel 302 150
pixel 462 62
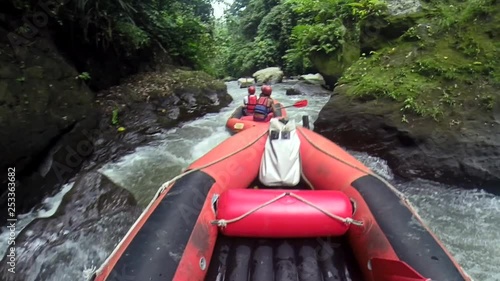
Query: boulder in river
pixel 246 82
pixel 229 79
pixel 313 78
pixel 270 75
pixel 307 89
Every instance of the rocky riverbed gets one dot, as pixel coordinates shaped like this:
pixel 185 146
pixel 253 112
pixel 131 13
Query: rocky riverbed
pixel 52 124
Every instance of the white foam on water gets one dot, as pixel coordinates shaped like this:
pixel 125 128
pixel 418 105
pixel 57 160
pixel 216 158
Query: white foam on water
pixel 48 207
pixel 377 165
pixel 209 143
pixel 467 221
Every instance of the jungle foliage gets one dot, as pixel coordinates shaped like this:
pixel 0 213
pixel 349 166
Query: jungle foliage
pixel 181 28
pixel 264 33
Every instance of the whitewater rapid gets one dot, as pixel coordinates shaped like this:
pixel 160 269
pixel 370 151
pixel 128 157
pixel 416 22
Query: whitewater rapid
pixel 467 221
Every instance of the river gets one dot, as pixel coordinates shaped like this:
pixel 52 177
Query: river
pixel 467 221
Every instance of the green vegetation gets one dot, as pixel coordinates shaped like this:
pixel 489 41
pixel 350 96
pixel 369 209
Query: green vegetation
pixel 445 67
pixel 289 33
pixel 85 76
pixel 114 117
pixel 180 28
pixel 443 59
pixel 434 62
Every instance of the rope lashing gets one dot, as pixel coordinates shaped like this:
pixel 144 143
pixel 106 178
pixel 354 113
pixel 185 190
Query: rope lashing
pixel 223 223
pixel 88 274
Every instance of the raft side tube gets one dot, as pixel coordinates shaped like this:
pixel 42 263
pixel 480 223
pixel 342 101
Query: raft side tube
pixel 156 250
pixel 233 164
pixel 409 238
pixel 325 172
pixel 391 230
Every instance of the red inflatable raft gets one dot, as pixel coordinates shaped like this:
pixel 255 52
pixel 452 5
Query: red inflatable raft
pixel 340 221
pixel 237 122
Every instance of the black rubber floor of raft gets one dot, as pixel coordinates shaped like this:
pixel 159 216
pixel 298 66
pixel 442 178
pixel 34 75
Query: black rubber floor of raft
pixel 320 259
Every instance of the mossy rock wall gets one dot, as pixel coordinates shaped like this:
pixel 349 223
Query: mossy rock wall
pixel 43 109
pixel 331 67
pixel 438 87
pixel 51 123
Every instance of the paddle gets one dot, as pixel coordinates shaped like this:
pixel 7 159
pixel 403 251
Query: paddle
pixel 300 103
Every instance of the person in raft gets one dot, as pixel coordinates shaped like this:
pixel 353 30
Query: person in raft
pixel 249 101
pixel 265 104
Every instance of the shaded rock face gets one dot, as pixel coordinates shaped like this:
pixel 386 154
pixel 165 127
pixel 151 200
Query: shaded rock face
pixel 149 103
pixel 43 109
pixel 307 89
pixel 331 66
pixel 374 33
pixel 468 156
pixel 93 202
pixel 377 31
pixel 51 125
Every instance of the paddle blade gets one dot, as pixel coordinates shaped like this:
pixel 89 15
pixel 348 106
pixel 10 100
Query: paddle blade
pixel 301 103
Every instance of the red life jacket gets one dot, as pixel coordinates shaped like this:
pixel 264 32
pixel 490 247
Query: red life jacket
pixel 252 102
pixel 261 107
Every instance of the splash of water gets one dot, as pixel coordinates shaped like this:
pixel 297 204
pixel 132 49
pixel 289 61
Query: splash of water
pixel 467 221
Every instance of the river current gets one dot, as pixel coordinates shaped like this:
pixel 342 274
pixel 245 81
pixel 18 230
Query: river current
pixel 467 221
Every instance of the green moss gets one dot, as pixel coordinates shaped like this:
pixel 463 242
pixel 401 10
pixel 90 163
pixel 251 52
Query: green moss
pixel 444 72
pixel 161 84
pixel 195 80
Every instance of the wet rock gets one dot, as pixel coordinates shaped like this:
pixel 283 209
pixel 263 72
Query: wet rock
pixel 246 82
pixel 426 102
pixel 376 31
pixel 313 78
pixel 270 75
pixel 154 102
pixel 466 155
pixel 229 79
pixel 90 206
pixel 307 89
pixel 403 7
pixel 43 110
pixel 52 125
pixel 189 99
pixel 174 113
